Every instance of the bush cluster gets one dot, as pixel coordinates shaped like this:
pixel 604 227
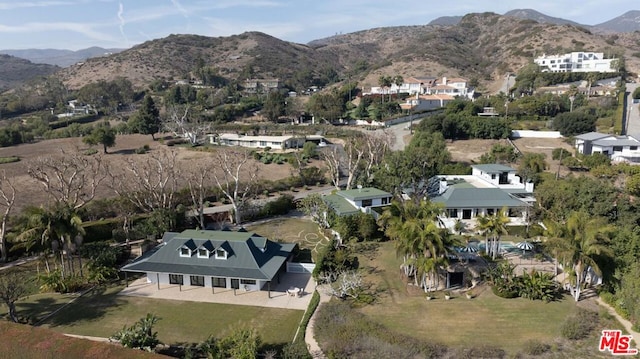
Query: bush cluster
pixel 580 325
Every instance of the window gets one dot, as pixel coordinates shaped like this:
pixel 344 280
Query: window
pixel 490 211
pixel 203 253
pixel 197 280
pixel 633 148
pixel 221 254
pixel 185 252
pixel 385 200
pixel 452 213
pixel 219 282
pixel 367 202
pixel 175 279
pixel 263 143
pixel 248 281
pixel 617 148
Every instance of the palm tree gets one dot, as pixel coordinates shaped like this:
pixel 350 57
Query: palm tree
pixel 384 82
pixel 493 227
pixel 53 230
pixel 418 239
pixel 583 240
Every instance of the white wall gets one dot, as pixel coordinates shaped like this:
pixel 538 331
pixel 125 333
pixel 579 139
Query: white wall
pixel 535 134
pixel 152 277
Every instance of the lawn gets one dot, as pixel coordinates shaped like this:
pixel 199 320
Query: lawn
pixel 485 319
pixel 102 312
pixel 293 230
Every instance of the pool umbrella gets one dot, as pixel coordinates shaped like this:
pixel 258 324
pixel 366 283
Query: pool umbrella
pixel 469 249
pixel 525 246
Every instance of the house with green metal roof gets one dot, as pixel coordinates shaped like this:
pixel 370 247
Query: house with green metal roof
pixel 352 201
pixel 215 259
pixel 489 189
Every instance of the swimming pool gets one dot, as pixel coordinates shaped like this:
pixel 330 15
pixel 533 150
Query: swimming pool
pixel 504 246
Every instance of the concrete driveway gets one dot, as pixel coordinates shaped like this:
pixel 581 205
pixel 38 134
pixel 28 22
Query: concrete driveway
pixel 278 298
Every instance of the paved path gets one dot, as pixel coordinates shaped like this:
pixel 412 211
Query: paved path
pixel 632 112
pixel 309 338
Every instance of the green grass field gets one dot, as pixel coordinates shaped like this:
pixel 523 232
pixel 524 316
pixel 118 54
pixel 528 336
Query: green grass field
pixel 292 230
pixel 102 312
pixel 485 319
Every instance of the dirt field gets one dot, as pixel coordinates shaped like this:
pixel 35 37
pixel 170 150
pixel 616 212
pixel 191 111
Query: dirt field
pixel 470 150
pixel 30 192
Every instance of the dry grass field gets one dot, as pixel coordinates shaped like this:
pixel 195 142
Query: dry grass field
pixel 30 192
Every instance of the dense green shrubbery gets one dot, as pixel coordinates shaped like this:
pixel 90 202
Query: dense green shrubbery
pixel 535 285
pixel 335 260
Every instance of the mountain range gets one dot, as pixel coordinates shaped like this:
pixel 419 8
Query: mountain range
pixel 62 58
pixel 479 46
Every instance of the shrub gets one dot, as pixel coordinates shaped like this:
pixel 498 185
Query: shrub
pixel 90 152
pixel 142 150
pixel 140 335
pixel 579 325
pixel 9 159
pixel 536 347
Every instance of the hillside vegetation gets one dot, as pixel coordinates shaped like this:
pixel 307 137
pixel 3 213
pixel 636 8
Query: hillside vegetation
pixel 482 46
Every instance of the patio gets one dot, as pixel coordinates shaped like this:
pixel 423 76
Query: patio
pixel 279 297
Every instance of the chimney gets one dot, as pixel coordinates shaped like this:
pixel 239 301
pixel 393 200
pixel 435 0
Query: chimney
pixel 444 80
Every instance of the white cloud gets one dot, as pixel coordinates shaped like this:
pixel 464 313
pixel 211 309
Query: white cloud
pixel 31 4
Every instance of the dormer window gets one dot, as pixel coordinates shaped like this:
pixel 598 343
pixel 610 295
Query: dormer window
pixel 221 253
pixel 185 252
pixel 203 253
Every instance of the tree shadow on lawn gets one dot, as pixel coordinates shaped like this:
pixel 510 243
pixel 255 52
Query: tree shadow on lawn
pixel 90 307
pixel 33 312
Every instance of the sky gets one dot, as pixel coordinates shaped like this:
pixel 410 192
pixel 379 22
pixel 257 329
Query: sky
pixel 78 24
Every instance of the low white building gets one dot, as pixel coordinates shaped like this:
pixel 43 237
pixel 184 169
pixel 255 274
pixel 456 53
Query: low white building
pixel 618 148
pixel 575 62
pixel 274 142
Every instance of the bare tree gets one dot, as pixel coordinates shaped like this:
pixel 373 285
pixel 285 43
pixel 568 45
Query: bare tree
pixel 235 175
pixel 347 284
pixel 150 184
pixel 181 124
pixel 376 147
pixel 352 161
pixel 331 157
pixel 7 200
pixel 71 179
pixel 197 178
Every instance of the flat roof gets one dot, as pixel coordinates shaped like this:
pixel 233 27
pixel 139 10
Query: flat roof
pixel 493 168
pixel 364 193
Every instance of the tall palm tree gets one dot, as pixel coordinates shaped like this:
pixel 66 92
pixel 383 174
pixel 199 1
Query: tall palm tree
pixel 418 239
pixel 584 239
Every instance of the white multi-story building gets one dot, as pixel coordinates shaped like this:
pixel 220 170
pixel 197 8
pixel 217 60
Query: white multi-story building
pixel 575 62
pixel 618 148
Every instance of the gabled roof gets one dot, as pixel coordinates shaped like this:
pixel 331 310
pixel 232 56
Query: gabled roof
pixel 249 256
pixel 465 197
pixel 493 168
pixel 592 136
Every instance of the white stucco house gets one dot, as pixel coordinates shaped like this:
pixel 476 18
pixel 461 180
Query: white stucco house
pixel 490 188
pixel 575 62
pixel 618 148
pixel 214 259
pixel 426 102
